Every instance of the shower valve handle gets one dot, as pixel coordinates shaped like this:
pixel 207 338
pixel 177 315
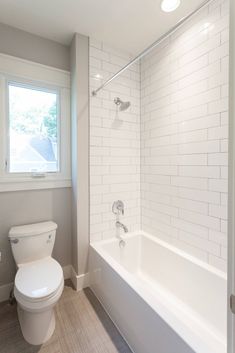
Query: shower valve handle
pixel 118 207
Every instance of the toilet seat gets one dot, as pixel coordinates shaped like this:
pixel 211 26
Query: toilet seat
pixel 38 281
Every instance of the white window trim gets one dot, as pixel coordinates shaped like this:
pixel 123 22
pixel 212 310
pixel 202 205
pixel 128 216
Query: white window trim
pixel 17 70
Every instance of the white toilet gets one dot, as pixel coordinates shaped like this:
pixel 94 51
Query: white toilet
pixel 39 280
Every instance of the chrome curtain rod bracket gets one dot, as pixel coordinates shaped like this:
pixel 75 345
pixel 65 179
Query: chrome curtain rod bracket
pixel 153 45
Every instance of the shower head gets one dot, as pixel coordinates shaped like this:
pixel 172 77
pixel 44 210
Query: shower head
pixel 122 105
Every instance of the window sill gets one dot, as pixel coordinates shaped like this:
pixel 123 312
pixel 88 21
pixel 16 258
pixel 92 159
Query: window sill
pixel 8 186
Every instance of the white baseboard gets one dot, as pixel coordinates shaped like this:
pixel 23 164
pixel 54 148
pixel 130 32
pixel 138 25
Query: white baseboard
pixel 79 281
pixel 5 291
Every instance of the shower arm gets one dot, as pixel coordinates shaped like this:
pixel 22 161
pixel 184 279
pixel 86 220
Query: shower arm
pixel 153 45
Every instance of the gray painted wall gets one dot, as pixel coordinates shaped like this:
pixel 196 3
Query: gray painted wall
pixel 27 207
pixel 31 47
pixel 80 151
pixel 24 207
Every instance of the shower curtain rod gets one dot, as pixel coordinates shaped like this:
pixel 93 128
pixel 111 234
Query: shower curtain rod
pixel 153 45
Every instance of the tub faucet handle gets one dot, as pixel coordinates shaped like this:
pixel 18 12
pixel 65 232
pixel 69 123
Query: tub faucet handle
pixel 118 207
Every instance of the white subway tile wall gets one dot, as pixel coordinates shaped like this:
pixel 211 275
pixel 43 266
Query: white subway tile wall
pixel 167 161
pixel 114 143
pixel 184 137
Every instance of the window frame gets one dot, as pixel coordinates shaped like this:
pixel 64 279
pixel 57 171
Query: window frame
pixel 31 76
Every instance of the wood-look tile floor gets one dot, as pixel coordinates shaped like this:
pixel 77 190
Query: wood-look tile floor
pixel 82 326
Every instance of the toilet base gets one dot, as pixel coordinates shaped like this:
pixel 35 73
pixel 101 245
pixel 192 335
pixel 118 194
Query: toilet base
pixel 36 327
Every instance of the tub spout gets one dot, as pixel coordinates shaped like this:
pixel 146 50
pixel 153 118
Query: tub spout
pixel 121 225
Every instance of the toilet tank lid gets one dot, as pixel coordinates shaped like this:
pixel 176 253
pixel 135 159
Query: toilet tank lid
pixel 32 229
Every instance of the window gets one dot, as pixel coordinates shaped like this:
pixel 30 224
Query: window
pixel 33 129
pixel 34 126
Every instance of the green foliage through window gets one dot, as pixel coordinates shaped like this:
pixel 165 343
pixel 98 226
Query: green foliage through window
pixel 33 125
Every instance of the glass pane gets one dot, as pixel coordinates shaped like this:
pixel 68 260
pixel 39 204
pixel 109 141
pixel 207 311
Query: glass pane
pixel 33 130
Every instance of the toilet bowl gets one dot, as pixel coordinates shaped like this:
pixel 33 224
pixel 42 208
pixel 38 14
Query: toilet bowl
pixel 39 280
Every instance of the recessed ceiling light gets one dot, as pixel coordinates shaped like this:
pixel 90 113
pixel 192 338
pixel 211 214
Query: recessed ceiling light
pixel 170 5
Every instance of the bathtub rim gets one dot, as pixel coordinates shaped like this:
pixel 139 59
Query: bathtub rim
pixel 168 313
pixel 97 244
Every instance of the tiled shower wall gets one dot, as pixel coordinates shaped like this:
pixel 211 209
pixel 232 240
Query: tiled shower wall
pixel 184 137
pixel 114 143
pixel 183 133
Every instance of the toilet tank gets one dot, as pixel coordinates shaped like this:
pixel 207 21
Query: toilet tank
pixel 33 241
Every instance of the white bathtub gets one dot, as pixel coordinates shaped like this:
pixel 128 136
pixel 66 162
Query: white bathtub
pixel 161 299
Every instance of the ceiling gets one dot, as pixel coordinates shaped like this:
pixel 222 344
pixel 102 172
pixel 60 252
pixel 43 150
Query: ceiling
pixel 129 25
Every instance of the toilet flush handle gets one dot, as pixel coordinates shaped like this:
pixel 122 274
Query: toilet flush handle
pixel 14 241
